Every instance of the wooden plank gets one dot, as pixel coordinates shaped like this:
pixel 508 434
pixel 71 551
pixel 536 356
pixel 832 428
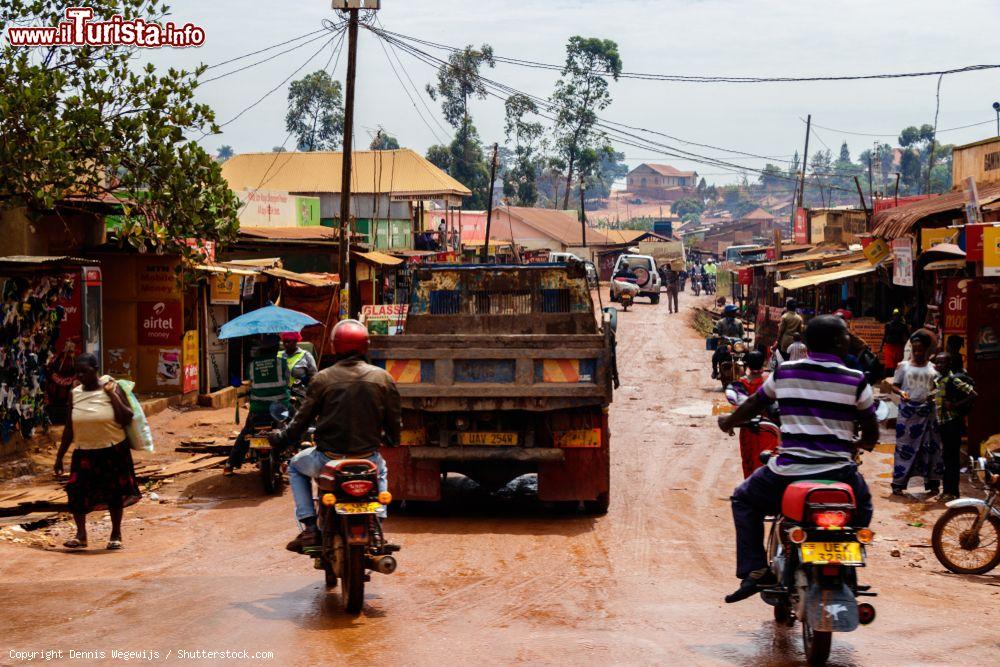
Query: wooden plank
pixel 191 465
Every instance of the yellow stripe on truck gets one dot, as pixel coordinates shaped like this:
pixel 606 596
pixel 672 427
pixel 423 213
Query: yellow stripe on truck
pixel 560 370
pixel 404 371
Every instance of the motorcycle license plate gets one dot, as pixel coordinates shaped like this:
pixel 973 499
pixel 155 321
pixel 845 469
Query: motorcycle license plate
pixel 260 443
pixel 488 438
pixel 846 553
pixel 357 508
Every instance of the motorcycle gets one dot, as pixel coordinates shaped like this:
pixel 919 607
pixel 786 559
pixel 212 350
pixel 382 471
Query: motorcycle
pixel 696 286
pixel 352 541
pixel 628 289
pixel 815 553
pixel 966 538
pixel 732 365
pixel 760 434
pixel 271 462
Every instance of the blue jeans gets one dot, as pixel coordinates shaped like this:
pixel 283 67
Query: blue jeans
pixel 307 465
pixel 760 495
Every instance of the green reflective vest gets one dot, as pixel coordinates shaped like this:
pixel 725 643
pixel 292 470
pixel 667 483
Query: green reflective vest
pixel 269 382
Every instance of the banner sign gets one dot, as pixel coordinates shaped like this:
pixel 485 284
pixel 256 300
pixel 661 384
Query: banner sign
pixel 902 269
pixel 877 251
pixel 973 214
pixel 956 306
pixel 160 323
pixel 267 208
pixel 974 243
pixel 224 289
pixel 801 226
pixel 991 251
pixel 932 237
pixel 189 358
pixel 868 329
pixel 385 320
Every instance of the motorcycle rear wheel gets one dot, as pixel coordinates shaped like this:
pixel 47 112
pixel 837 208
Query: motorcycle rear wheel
pixel 952 538
pixel 329 575
pixel 816 644
pixel 353 593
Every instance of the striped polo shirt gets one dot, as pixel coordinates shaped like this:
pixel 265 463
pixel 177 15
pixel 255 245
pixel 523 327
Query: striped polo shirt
pixel 820 401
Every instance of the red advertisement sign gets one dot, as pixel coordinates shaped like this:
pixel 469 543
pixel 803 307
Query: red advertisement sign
pixel 160 323
pixel 746 276
pixel 956 306
pixel 801 227
pixel 974 243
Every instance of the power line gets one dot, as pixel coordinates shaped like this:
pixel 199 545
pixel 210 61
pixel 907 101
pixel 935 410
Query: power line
pixel 682 78
pixel 268 59
pixel 896 134
pixel 273 46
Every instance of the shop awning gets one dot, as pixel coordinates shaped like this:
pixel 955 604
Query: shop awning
pixel 380 258
pixel 828 276
pixel 945 264
pixel 315 280
pixel 222 268
pixel 27 261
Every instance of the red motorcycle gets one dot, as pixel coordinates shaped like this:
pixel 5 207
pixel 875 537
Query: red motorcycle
pixel 348 519
pixel 815 553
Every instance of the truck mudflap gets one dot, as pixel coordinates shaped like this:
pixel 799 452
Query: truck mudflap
pixel 411 478
pixel 584 474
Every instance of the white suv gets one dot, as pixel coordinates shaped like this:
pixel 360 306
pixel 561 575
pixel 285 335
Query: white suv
pixel 648 278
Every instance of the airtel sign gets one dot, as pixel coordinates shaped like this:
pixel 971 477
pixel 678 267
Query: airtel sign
pixel 160 323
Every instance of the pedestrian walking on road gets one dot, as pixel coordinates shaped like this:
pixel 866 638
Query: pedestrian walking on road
pixel 670 281
pixel 954 395
pixel 791 324
pixel 918 447
pixel 102 474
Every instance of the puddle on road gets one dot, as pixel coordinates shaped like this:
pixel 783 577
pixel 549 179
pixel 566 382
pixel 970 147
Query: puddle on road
pixel 695 409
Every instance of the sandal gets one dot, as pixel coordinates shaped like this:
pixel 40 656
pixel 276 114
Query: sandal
pixel 75 543
pixel 115 545
pixel 228 471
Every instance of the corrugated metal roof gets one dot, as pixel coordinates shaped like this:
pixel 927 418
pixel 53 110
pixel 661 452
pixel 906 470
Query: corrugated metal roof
pixel 221 268
pixel 551 222
pixel 899 221
pixel 825 276
pixel 46 259
pixel 399 172
pixel 380 258
pixel 315 280
pixel 291 233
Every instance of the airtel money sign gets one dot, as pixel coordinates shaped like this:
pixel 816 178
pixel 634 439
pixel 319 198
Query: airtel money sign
pixel 160 323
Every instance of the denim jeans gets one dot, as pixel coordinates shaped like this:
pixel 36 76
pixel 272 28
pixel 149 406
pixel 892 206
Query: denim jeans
pixel 307 465
pixel 760 494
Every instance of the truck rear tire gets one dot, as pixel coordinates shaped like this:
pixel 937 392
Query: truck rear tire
pixel 598 507
pixel 654 299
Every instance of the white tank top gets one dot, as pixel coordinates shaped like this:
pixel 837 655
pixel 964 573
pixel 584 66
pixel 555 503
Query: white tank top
pixel 94 425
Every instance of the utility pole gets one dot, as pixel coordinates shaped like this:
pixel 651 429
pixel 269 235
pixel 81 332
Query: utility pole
pixel 344 245
pixel 805 161
pixel 583 215
pixel 489 205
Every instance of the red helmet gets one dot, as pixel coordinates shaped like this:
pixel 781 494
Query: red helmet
pixel 350 337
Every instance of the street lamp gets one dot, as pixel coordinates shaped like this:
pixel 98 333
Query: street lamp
pixel 996 107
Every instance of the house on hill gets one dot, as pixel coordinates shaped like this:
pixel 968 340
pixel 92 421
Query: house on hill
pixel 545 229
pixel 661 181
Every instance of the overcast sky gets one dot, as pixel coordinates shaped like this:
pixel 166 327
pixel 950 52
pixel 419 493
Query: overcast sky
pixel 710 37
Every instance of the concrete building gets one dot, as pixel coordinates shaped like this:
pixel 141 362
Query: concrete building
pixel 660 181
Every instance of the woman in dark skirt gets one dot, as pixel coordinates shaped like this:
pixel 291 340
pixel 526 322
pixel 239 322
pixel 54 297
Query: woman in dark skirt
pixel 102 475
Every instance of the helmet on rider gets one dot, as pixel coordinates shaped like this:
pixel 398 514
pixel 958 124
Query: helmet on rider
pixel 730 310
pixel 350 337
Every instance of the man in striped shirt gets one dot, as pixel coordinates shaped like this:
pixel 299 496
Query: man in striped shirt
pixel 822 404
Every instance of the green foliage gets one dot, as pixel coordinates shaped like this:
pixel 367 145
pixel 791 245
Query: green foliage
pixel 521 176
pixel 439 156
pixel 772 176
pixel 686 206
pixel 316 112
pixel 384 142
pixel 88 122
pixel 224 153
pixel 580 93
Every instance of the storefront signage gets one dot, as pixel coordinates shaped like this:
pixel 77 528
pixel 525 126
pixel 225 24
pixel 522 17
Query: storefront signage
pixel 385 320
pixel 160 322
pixel 877 251
pixel 801 226
pixel 189 359
pixel 932 237
pixel 956 306
pixel 224 289
pixel 168 367
pixel 746 276
pixel 267 208
pixel 868 329
pixel 156 279
pixel 991 251
pixel 974 243
pixel 902 268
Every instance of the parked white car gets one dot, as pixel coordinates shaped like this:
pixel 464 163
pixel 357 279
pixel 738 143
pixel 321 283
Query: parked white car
pixel 647 277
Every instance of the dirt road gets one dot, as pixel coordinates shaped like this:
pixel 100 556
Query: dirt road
pixel 498 581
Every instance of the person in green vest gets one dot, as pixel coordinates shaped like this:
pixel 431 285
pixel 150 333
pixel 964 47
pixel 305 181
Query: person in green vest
pixel 301 364
pixel 270 382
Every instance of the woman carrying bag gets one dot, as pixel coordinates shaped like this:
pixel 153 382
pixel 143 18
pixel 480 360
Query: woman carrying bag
pixel 102 475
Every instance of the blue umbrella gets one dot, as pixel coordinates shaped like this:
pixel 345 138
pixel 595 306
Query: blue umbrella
pixel 266 320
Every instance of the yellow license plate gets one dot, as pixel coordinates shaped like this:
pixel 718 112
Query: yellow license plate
pixel 357 508
pixel 412 437
pixel 582 438
pixel 491 439
pixel 260 443
pixel 847 553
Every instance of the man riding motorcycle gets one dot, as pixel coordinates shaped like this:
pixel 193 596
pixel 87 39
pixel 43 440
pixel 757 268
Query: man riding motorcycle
pixel 822 402
pixel 730 326
pixel 353 405
pixel 270 382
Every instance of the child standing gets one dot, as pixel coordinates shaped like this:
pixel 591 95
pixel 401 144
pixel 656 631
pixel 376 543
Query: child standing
pixel 953 397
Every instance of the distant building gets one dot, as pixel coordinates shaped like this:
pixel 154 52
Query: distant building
pixel 660 181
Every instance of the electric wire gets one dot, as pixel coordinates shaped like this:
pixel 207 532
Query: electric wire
pixel 406 90
pixel 266 49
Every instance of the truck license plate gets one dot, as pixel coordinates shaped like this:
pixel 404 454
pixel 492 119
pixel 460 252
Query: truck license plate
pixel 260 443
pixel 581 438
pixel 846 553
pixel 495 439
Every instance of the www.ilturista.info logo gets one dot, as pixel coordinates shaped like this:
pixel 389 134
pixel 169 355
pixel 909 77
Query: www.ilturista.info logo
pixel 80 30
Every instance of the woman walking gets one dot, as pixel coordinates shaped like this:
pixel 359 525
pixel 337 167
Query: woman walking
pixel 102 475
pixel 918 447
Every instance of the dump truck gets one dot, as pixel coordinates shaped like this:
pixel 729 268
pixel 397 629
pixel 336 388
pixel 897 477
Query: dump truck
pixel 503 371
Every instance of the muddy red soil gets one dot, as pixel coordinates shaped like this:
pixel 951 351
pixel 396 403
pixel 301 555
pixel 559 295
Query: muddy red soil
pixel 495 580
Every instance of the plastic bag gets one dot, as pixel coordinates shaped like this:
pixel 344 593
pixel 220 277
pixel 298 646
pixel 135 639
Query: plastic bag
pixel 139 435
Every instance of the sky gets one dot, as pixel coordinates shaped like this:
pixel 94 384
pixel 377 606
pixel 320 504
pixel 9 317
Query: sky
pixel 703 37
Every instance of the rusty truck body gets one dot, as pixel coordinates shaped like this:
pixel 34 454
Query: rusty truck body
pixel 503 371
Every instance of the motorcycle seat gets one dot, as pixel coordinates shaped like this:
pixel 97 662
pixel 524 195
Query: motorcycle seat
pixel 799 494
pixel 356 467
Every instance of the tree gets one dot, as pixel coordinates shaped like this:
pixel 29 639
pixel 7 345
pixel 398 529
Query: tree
pixel 520 178
pixel 772 176
pixel 316 112
pixel 612 168
pixel 278 149
pixel 581 92
pixel 439 156
pixel 224 153
pixel 88 122
pixel 457 82
pixel 687 206
pixel 383 142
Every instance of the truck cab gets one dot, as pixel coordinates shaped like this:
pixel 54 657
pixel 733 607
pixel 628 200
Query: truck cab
pixel 503 371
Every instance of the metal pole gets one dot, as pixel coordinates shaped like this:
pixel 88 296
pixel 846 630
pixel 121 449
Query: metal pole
pixel 345 176
pixel 583 216
pixel 805 160
pixel 489 205
pixel 896 196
